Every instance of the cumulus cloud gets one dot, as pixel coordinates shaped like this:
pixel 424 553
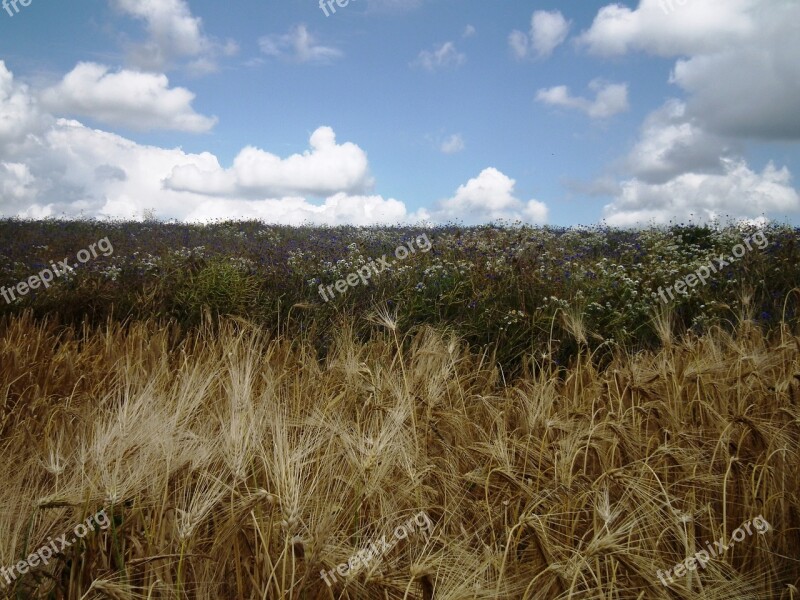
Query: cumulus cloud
pixel 688 161
pixel 128 98
pixel 72 171
pixel 326 169
pixel 677 170
pixel 298 45
pixel 610 99
pixel 701 26
pixel 671 143
pixel 77 171
pixel 738 192
pixel 16 183
pixel 174 33
pixel 765 71
pixel 19 112
pixel 441 57
pixel 548 31
pixel 452 144
pixel 489 197
pixel 725 50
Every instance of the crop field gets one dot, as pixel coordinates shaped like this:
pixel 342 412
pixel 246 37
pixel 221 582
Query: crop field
pixel 400 300
pixel 448 413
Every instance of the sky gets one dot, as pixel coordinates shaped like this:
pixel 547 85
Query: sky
pixel 364 112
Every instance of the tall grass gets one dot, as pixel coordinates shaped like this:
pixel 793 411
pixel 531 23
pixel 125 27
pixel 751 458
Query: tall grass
pixel 236 465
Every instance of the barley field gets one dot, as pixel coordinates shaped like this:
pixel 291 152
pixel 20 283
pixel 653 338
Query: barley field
pixel 412 438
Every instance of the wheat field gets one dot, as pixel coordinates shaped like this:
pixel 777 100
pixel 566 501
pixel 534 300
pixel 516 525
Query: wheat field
pixel 235 465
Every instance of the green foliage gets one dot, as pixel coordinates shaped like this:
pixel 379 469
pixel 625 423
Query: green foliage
pixel 219 287
pixel 502 286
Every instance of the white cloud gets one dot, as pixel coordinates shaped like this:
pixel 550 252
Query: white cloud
pixel 548 31
pixel 72 170
pixel 738 192
pixel 677 170
pixel 128 98
pixel 173 33
pixel 76 171
pixel 725 50
pixel 19 113
pixel 701 26
pixel 327 168
pixel 441 57
pixel 610 99
pixel 469 31
pixel 519 44
pixel 17 183
pixel 298 45
pixel 452 144
pixel 671 144
pixel 735 59
pixel 765 71
pixel 489 197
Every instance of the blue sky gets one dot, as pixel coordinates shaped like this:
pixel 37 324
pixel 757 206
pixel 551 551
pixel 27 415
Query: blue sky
pixel 393 111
